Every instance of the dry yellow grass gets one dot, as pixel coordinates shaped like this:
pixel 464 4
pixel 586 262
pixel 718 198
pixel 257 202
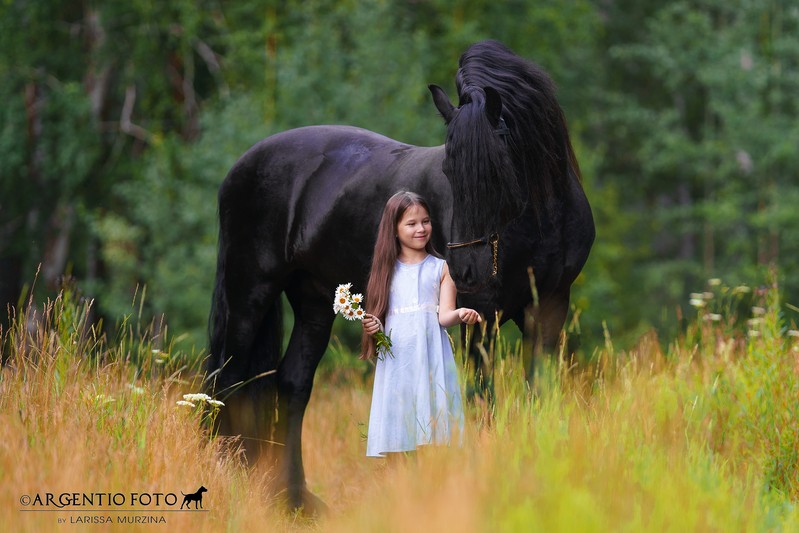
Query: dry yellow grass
pixel 638 441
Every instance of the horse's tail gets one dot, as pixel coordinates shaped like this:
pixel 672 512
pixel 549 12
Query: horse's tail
pixel 263 350
pixel 217 318
pixel 246 381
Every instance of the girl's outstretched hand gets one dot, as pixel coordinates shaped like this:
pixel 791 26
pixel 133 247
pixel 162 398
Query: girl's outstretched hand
pixel 371 324
pixel 469 316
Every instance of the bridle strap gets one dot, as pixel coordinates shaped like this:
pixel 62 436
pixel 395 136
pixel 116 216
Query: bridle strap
pixel 492 239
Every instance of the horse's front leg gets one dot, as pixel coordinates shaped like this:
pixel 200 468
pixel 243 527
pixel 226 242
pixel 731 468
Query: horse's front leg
pixel 476 340
pixel 312 324
pixel 476 346
pixel 541 325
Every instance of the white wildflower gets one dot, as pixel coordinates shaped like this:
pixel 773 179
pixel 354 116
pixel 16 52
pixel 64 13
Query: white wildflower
pixel 196 397
pixel 351 307
pixel 184 402
pixel 697 302
pixel 344 289
pixel 712 317
pixel 135 389
pixel 758 311
pixel 714 282
pixel 216 403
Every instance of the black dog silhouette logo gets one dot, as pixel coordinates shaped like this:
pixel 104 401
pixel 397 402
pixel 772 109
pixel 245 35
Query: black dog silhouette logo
pixel 196 497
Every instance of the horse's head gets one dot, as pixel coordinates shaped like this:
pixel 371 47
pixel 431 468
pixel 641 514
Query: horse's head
pixel 485 190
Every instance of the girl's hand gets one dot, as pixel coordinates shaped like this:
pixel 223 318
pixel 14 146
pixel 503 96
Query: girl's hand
pixel 371 324
pixel 469 316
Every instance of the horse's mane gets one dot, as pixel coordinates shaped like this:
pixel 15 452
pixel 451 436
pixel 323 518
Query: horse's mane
pixel 538 145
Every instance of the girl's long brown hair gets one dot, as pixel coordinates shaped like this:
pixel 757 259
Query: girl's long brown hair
pixel 387 250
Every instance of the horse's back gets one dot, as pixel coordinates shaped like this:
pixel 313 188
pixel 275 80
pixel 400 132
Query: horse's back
pixel 314 195
pixel 317 157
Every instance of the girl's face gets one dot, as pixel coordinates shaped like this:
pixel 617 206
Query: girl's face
pixel 414 228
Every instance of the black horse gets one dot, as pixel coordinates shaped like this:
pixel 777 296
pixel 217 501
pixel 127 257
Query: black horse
pixel 299 213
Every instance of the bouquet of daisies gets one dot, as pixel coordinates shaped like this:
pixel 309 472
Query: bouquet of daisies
pixel 350 306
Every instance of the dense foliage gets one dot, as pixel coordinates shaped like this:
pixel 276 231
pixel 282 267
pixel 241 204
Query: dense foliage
pixel 121 119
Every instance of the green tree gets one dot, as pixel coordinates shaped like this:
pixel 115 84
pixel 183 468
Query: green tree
pixel 699 119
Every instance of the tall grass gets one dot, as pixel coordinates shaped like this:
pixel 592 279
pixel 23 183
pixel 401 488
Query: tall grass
pixel 695 434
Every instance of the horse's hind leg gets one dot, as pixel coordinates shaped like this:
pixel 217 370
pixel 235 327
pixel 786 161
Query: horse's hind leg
pixel 313 319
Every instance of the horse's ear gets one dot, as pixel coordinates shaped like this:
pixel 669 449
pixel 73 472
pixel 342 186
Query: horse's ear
pixel 493 105
pixel 441 100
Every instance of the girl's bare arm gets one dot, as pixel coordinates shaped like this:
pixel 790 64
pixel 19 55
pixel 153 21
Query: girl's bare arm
pixel 448 314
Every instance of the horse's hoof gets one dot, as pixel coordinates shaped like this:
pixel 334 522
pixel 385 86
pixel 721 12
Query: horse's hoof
pixel 312 505
pixel 304 502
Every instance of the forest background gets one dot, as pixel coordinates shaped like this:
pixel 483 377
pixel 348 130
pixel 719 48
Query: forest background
pixel 120 120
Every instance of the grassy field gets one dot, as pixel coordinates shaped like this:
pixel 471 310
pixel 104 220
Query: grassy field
pixel 702 435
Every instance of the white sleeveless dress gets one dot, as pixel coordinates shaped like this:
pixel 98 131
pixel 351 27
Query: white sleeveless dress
pixel 416 399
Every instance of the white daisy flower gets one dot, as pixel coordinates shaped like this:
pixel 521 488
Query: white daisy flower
pixel 357 298
pixel 359 314
pixel 344 289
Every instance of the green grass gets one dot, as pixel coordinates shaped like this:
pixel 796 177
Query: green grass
pixel 696 433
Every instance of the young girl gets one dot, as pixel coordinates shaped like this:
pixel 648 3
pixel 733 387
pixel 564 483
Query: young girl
pixel 416 399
